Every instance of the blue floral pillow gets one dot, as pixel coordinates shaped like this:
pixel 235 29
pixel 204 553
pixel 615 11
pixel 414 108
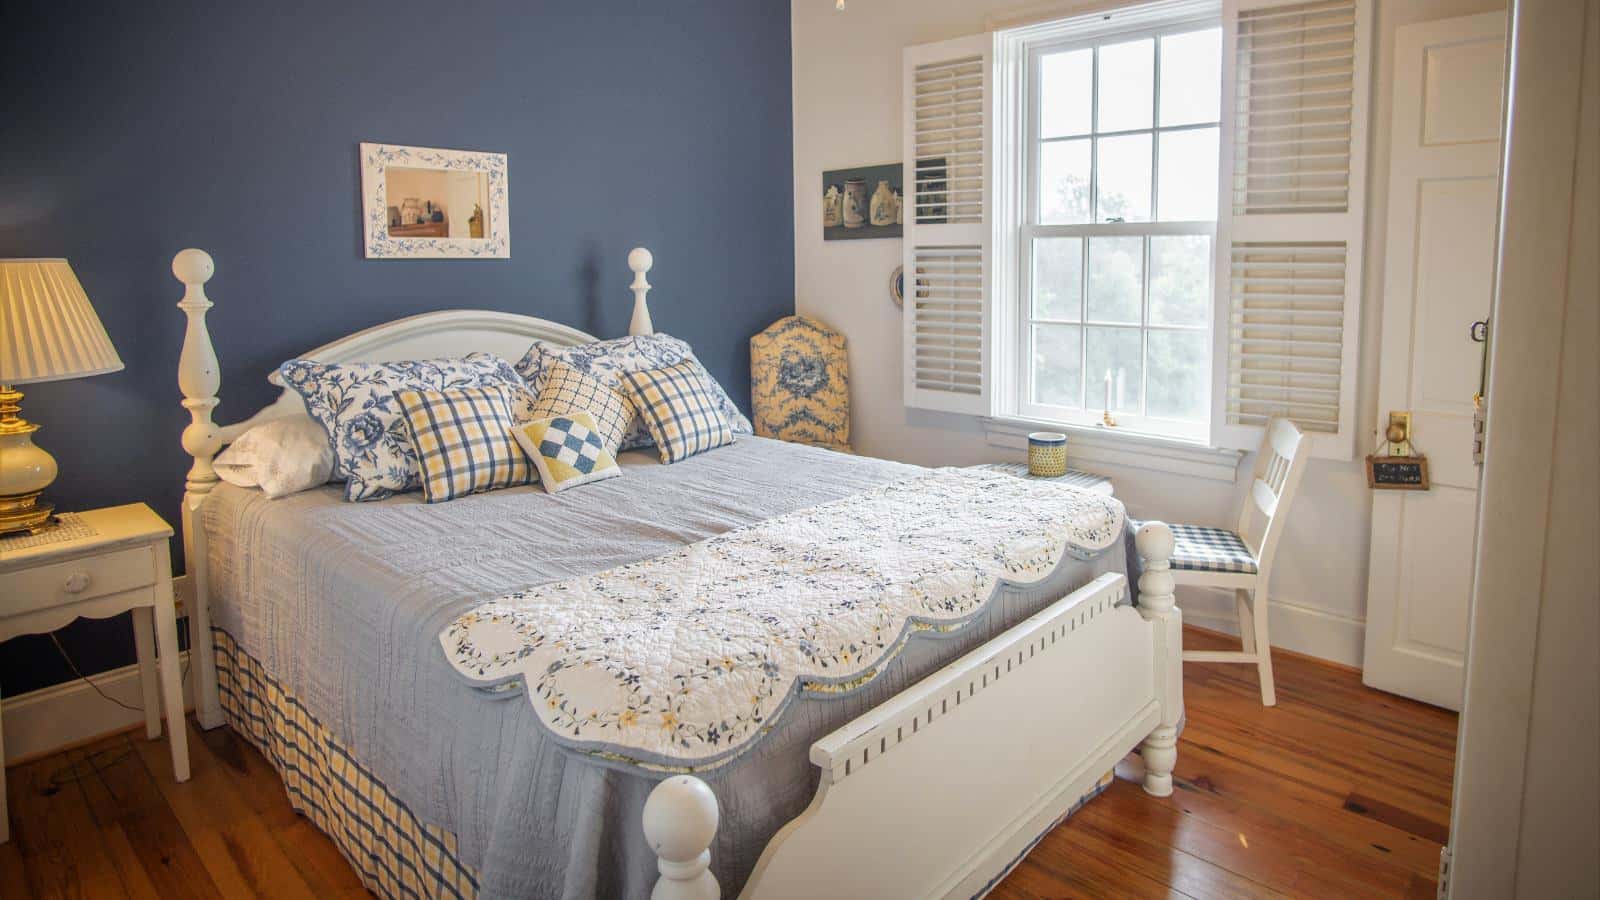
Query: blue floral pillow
pixel 607 360
pixel 356 404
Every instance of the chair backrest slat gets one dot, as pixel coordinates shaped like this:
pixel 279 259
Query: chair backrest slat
pixel 1280 463
pixel 1266 499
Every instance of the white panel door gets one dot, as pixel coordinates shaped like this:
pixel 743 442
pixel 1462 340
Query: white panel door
pixel 1438 279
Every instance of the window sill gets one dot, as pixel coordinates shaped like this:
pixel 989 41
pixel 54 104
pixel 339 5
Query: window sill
pixel 1110 446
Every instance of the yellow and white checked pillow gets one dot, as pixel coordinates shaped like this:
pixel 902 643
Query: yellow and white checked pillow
pixel 463 441
pixel 679 409
pixel 568 390
pixel 568 449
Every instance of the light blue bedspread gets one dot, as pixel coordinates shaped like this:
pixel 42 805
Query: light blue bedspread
pixel 343 603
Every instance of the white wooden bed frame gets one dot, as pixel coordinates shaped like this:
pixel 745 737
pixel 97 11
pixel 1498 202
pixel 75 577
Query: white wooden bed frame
pixel 935 793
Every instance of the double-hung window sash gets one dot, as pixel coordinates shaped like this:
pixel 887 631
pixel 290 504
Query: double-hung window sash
pixel 1119 211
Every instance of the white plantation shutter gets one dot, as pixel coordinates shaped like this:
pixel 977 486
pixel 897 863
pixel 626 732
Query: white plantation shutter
pixel 1289 229
pixel 948 277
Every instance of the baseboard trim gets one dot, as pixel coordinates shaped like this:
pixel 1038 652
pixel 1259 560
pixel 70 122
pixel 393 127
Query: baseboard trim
pixel 1278 652
pixel 1302 629
pixel 70 714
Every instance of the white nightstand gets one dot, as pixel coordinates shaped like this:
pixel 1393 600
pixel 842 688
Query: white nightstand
pixel 124 565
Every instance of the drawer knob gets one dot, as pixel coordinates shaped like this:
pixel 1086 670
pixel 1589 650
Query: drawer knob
pixel 77 582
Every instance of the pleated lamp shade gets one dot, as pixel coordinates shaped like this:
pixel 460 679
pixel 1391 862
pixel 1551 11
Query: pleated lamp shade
pixel 48 329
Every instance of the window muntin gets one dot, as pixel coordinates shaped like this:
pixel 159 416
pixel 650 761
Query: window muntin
pixel 1116 244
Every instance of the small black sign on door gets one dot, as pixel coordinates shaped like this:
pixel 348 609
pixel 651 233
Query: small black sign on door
pixel 1397 473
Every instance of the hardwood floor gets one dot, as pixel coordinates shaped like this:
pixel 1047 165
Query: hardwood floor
pixel 1339 791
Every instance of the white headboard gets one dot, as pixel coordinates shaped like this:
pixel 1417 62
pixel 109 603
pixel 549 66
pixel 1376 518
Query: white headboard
pixel 445 333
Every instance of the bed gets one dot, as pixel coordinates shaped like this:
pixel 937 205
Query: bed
pixel 316 622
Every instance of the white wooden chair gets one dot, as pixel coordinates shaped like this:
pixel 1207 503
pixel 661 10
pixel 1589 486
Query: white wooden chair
pixel 1242 559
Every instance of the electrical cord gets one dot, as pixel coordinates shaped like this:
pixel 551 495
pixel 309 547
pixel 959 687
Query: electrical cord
pixel 183 676
pixel 93 764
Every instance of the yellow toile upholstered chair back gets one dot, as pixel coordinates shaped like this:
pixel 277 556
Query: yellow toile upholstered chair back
pixel 800 383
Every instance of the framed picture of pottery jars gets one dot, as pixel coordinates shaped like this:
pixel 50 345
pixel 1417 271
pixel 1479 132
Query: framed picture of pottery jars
pixel 863 202
pixel 426 203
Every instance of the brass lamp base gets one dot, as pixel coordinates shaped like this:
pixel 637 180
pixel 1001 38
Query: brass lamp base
pixel 25 470
pixel 24 512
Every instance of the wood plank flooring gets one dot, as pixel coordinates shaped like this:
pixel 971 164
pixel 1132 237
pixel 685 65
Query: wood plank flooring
pixel 1339 791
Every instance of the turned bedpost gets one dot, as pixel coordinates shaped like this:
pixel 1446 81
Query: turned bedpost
pixel 1159 607
pixel 199 378
pixel 680 821
pixel 640 261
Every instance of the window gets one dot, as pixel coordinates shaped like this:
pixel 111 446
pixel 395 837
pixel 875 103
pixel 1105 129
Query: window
pixel 1115 246
pixel 1170 192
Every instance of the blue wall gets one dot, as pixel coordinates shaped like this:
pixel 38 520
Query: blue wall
pixel 133 130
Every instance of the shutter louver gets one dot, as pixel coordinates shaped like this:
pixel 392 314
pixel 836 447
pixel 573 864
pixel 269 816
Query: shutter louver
pixel 946 286
pixel 1290 237
pixel 948 112
pixel 1292 123
pixel 947 277
pixel 1285 334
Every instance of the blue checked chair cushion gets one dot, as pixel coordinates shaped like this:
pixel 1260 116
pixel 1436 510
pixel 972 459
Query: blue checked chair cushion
pixel 679 409
pixel 463 441
pixel 567 390
pixel 1199 548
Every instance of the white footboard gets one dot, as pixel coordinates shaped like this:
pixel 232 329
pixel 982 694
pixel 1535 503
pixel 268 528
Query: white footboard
pixel 937 792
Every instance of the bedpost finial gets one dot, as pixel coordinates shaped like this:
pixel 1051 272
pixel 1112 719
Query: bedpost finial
pixel 680 821
pixel 1155 544
pixel 1154 540
pixel 193 266
pixel 199 376
pixel 640 260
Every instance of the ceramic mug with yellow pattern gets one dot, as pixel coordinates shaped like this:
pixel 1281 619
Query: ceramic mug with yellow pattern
pixel 1047 454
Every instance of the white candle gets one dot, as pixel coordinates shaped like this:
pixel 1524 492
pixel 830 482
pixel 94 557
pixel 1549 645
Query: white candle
pixel 1108 390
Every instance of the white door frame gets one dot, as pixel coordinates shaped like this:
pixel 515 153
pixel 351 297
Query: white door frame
pixel 1545 66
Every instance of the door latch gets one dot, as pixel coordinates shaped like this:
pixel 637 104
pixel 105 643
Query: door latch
pixel 1479 333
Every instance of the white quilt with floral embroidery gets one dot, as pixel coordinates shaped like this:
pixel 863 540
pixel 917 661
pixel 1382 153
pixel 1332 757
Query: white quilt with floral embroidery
pixel 687 658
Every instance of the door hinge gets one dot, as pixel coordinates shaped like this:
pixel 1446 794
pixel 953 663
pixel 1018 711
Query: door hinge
pixel 1444 873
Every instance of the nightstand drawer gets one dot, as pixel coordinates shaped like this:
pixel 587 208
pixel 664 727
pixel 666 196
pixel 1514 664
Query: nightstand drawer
pixel 76 579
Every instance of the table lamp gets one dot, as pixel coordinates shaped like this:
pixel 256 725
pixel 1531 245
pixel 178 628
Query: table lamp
pixel 48 332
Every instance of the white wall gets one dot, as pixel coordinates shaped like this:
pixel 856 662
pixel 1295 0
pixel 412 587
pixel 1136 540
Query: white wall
pixel 847 113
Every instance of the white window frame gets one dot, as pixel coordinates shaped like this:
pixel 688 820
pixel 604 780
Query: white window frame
pixel 1017 353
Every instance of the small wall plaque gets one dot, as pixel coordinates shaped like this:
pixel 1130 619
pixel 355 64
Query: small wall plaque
pixel 1397 473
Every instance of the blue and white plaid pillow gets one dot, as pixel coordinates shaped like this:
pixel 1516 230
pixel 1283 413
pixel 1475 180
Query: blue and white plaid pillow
pixel 355 404
pixel 607 360
pixel 463 441
pixel 566 390
pixel 679 410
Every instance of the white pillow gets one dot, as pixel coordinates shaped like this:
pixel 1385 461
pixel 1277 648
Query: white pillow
pixel 282 457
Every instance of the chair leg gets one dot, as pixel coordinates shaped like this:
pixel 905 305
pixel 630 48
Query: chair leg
pixel 1263 645
pixel 1247 627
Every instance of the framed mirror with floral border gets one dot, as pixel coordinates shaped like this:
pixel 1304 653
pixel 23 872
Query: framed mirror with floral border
pixel 426 203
